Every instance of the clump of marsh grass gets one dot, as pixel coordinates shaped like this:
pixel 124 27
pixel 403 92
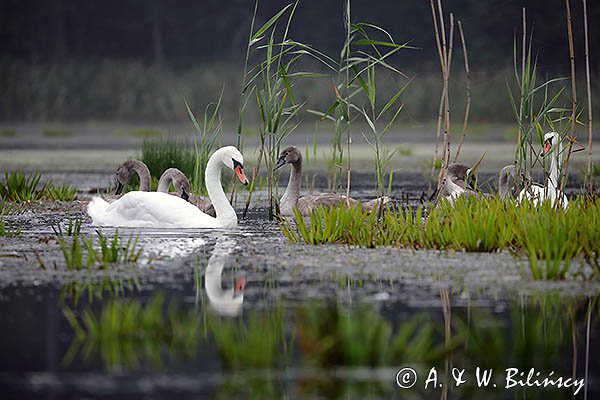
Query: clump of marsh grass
pixel 8 132
pixel 18 186
pixel 549 238
pixel 58 133
pixel 81 252
pixel 71 228
pixel 161 154
pixel 60 192
pixel 8 230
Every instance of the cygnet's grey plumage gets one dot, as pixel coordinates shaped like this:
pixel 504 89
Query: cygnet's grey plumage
pixel 182 186
pixel 127 169
pixel 508 182
pixel 291 198
pixel 455 183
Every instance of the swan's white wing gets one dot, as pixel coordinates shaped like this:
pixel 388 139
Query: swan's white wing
pixel 152 209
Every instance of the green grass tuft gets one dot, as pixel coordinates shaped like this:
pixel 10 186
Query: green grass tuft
pixel 159 155
pixel 60 192
pixel 72 228
pixel 8 230
pixel 56 133
pixel 8 132
pixel 550 238
pixel 81 252
pixel 20 187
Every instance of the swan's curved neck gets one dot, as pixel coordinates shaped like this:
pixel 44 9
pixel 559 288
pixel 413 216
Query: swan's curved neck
pixel 506 181
pixel 292 192
pixel 144 174
pixel 165 182
pixel 553 186
pixel 212 176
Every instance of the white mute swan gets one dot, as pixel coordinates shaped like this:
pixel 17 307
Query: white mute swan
pixel 161 210
pixel 126 170
pixel 226 302
pixel 291 198
pixel 182 186
pixel 537 193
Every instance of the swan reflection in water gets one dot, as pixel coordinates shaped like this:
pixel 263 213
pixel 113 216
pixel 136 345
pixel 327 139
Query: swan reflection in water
pixel 227 302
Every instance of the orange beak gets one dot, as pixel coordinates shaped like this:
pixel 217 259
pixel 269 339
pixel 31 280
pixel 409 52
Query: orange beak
pixel 547 146
pixel 239 171
pixel 240 283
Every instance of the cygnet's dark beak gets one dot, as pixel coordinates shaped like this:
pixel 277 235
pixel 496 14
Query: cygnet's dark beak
pixel 185 195
pixel 280 163
pixel 119 188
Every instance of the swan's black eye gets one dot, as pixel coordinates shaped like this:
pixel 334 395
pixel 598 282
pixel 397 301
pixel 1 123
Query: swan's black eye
pixel 236 164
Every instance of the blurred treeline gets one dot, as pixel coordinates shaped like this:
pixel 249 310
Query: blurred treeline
pixel 138 59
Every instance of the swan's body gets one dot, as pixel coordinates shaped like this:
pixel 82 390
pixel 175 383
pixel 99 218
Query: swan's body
pixel 183 188
pixel 226 302
pixel 127 169
pixel 455 183
pixel 291 198
pixel 161 210
pixel 536 193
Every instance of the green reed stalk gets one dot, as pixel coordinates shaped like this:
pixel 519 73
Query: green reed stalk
pixel 573 136
pixel 210 133
pixel 588 174
pixel 468 88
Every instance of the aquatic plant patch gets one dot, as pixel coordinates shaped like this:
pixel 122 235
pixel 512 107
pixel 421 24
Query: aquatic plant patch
pixel 60 192
pixel 81 252
pixel 159 155
pixel 7 229
pixel 550 238
pixel 20 187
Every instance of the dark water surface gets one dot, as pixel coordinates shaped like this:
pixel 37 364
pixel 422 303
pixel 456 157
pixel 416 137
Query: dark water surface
pixel 244 314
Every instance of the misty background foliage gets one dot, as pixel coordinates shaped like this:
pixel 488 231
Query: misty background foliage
pixel 136 60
